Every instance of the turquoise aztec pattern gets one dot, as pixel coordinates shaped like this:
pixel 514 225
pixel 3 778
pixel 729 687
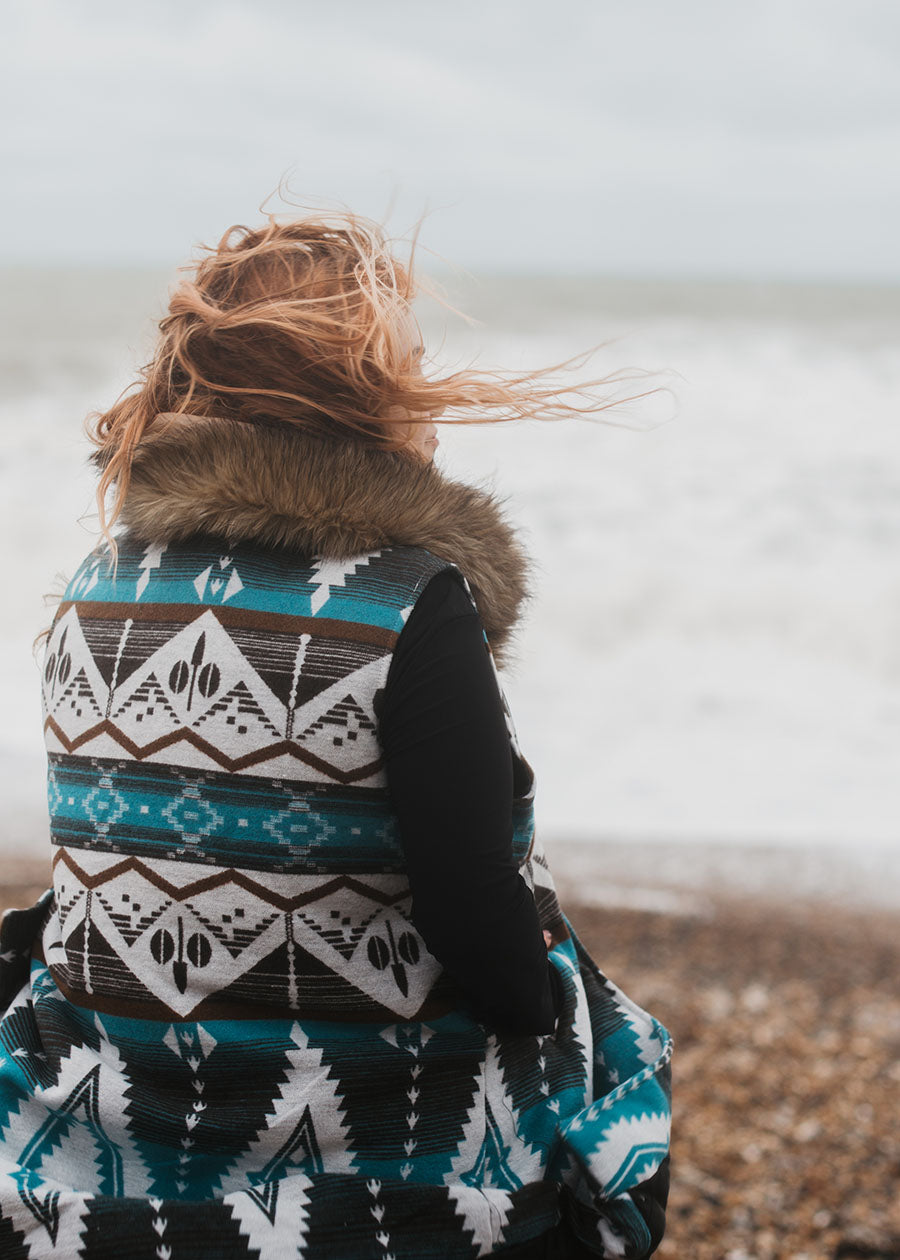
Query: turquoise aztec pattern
pixel 223 1036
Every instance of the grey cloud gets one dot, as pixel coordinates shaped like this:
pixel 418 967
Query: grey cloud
pixel 701 136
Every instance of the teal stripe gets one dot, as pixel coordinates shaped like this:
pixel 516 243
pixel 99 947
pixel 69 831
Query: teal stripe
pixel 219 819
pixel 374 593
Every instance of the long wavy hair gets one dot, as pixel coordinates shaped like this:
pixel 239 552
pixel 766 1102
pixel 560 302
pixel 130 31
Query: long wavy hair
pixel 307 322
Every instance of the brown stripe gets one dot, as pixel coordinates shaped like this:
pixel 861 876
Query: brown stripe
pixel 240 618
pixel 228 875
pixel 139 752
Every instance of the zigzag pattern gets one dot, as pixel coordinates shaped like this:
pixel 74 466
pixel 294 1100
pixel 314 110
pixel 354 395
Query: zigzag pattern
pixel 239 879
pixel 187 693
pixel 260 757
pixel 172 933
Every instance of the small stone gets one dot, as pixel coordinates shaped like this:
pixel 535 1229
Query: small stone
pixel 718 1003
pixel 755 998
pixel 807 1130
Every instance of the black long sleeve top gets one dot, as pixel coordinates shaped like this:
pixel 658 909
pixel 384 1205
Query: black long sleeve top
pixel 451 775
pixel 450 771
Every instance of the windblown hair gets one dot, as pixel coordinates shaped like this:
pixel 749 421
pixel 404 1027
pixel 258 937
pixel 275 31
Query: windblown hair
pixel 305 322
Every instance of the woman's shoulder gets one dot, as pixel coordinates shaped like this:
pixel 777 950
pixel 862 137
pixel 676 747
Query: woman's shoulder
pixel 444 596
pixel 421 567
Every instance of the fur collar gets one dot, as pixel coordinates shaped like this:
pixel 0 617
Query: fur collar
pixel 278 486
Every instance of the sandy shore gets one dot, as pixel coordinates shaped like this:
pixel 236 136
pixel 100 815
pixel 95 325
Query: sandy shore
pixel 787 1071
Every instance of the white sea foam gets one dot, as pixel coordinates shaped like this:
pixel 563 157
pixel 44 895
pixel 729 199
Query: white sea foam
pixel 713 650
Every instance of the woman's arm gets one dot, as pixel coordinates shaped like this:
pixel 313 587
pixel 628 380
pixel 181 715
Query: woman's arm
pixel 450 775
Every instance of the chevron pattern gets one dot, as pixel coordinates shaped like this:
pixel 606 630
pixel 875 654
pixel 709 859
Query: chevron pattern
pixel 182 937
pixel 201 698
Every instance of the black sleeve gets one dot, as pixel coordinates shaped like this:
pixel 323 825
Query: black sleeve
pixel 449 767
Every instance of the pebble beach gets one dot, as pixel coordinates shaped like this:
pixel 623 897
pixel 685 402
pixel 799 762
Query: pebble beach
pixel 786 1073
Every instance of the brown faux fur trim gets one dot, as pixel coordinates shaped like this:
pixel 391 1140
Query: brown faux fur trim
pixel 280 487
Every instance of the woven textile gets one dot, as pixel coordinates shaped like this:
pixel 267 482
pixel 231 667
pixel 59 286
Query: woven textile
pixel 223 1035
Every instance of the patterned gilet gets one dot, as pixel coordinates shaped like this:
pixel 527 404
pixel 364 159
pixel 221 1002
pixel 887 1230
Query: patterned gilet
pixel 231 1040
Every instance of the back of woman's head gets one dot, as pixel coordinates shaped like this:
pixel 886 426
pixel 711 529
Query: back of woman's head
pixel 308 323
pixel 299 321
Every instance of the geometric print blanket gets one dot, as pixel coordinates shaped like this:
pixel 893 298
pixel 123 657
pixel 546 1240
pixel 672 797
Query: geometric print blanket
pixel 221 1034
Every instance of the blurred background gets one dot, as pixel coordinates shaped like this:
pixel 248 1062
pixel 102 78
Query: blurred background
pixel 708 679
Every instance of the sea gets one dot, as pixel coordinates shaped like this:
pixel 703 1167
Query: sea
pixel 707 677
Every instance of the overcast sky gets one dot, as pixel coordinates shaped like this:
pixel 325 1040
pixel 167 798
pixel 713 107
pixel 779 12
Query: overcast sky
pixel 712 137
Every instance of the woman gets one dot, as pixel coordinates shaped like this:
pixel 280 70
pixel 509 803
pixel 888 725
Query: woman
pixel 302 986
